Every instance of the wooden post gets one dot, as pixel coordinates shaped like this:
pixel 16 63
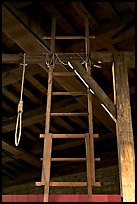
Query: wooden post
pixel 90 119
pixel 124 130
pixel 88 164
pixel 48 140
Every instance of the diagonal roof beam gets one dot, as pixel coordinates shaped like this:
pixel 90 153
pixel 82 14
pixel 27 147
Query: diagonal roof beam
pixel 99 93
pixel 27 157
pixel 17 29
pixel 14 75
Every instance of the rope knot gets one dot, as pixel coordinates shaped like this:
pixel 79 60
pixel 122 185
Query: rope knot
pixel 20 107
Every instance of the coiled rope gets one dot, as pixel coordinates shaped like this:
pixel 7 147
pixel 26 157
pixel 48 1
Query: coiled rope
pixel 20 106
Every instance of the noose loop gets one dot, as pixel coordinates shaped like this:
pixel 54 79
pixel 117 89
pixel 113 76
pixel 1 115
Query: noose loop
pixel 20 106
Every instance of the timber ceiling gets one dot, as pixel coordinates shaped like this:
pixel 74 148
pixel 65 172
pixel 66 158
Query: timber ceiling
pixel 24 24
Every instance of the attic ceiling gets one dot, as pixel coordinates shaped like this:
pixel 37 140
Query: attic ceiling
pixel 24 24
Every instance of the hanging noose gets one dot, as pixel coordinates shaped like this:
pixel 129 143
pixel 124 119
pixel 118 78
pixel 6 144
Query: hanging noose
pixel 20 106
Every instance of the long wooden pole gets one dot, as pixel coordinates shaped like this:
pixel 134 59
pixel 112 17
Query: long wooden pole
pixel 48 138
pixel 125 140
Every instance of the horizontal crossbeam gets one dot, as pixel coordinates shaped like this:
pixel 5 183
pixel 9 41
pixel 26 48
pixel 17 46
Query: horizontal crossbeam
pixel 97 184
pixel 68 114
pixel 68 136
pixel 35 59
pixel 70 159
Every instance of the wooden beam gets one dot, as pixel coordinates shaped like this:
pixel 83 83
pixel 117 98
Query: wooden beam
pixel 82 11
pixel 28 93
pixel 6 159
pixel 99 93
pixel 16 29
pixel 108 10
pixel 10 95
pixel 63 124
pixel 7 107
pixel 104 57
pixel 69 37
pixel 126 35
pixel 61 20
pixel 125 139
pixel 27 157
pixel 20 5
pixel 15 74
pixel 35 58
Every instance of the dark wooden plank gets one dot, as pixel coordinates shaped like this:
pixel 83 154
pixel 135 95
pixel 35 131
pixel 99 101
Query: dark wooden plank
pixel 30 43
pixel 27 157
pixel 15 74
pixel 52 45
pixel 50 8
pixel 35 59
pixel 82 11
pixel 125 139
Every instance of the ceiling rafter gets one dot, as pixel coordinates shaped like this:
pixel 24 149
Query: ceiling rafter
pixel 61 20
pixel 27 157
pixel 108 11
pixel 15 74
pixel 81 10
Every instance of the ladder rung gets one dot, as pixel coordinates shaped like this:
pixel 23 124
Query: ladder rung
pixel 69 93
pixel 68 37
pixel 97 159
pixel 64 136
pixel 96 184
pixel 70 159
pixel 95 136
pixel 68 135
pixel 61 74
pixel 68 114
pixel 68 183
pixel 39 183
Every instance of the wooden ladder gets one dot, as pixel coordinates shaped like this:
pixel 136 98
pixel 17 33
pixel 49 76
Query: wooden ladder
pixel 89 143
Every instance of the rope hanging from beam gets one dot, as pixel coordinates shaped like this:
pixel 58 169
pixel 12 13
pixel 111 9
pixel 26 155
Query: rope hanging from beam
pixel 20 106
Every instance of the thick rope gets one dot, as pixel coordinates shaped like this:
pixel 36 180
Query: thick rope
pixel 20 107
